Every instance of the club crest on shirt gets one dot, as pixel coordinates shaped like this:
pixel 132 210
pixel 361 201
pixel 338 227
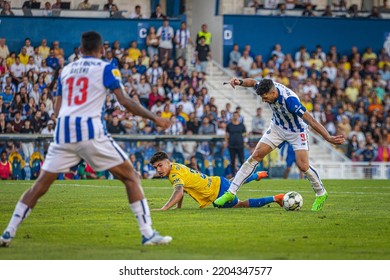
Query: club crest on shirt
pixel 116 73
pixel 268 131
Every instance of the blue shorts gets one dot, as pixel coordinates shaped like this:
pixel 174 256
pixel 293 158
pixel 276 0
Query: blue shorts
pixel 224 186
pixel 290 160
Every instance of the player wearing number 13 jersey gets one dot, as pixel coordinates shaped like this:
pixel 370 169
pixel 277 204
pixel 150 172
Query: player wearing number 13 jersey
pixel 80 135
pixel 82 86
pixel 289 123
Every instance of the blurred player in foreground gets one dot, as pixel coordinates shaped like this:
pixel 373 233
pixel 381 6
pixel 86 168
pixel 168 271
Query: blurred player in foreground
pixel 289 123
pixel 203 189
pixel 80 134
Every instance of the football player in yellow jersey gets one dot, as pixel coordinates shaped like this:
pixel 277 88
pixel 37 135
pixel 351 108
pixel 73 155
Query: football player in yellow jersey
pixel 202 188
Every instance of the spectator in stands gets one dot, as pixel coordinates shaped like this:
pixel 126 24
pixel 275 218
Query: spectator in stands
pixel 3 122
pixel 49 129
pixel 203 54
pixel 302 55
pixel 137 14
pixel 58 51
pixel 255 72
pixel 6 11
pixel 7 96
pixel 271 4
pixel 207 128
pixel 56 5
pixel 369 54
pixel 353 11
pixel 193 164
pixel 383 151
pixel 43 49
pixel 375 13
pixel 75 55
pixel 152 42
pixel 85 5
pixel 244 64
pixel 279 54
pixel 52 61
pixel 28 4
pixel 5 167
pixel 4 51
pixel 17 71
pixel 234 56
pixel 23 56
pixel 165 34
pixel 282 10
pixel 308 11
pixel 108 6
pixel 182 39
pixel 157 13
pixel 47 11
pixel 204 33
pixel 28 47
pixel 258 123
pixel 328 11
pixel 385 7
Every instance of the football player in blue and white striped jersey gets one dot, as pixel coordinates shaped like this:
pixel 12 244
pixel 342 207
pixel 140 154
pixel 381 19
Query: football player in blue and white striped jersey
pixel 81 134
pixel 289 123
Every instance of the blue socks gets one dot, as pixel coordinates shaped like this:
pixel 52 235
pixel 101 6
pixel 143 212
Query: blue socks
pixel 253 177
pixel 259 202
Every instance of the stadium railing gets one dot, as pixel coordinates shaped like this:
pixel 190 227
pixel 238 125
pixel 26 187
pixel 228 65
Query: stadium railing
pixel 334 169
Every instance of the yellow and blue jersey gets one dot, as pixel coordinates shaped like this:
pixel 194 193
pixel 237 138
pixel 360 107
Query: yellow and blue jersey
pixel 202 188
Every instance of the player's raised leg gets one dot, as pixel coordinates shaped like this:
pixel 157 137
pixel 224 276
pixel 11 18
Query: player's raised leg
pixel 302 157
pixel 245 172
pixel 26 204
pixel 138 204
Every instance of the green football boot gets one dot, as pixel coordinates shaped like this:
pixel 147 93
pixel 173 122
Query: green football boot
pixel 226 197
pixel 319 202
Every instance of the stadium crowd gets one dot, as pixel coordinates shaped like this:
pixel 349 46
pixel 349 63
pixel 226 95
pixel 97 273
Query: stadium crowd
pixel 347 93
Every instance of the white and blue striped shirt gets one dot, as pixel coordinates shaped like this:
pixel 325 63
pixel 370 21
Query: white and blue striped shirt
pixel 83 85
pixel 287 110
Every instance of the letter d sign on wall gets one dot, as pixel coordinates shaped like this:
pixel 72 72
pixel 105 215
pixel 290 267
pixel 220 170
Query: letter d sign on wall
pixel 228 34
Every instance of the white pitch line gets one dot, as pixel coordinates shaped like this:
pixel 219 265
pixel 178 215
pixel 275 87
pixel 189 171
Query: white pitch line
pixel 241 191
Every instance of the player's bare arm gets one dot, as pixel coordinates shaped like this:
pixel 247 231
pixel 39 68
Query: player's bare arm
pixel 57 105
pixel 139 110
pixel 242 82
pixel 337 140
pixel 176 198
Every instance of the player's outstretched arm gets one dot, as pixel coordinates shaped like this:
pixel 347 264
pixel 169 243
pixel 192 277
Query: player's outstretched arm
pixel 176 198
pixel 57 105
pixel 138 109
pixel 242 82
pixel 337 140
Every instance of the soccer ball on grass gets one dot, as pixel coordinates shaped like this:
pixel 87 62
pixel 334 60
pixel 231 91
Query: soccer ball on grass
pixel 292 201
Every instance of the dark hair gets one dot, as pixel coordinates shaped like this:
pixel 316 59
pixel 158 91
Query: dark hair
pixel 91 41
pixel 264 86
pixel 158 156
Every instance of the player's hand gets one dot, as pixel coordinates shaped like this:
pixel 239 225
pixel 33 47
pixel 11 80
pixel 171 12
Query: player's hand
pixel 337 140
pixel 234 82
pixel 164 123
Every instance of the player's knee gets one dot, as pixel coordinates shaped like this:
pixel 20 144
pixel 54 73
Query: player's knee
pixel 303 165
pixel 256 157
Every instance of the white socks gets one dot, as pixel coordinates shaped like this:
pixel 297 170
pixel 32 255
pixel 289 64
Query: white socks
pixel 243 174
pixel 141 211
pixel 20 213
pixel 315 181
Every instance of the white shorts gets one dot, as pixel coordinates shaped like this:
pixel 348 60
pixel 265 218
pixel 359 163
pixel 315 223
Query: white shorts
pixel 102 154
pixel 276 135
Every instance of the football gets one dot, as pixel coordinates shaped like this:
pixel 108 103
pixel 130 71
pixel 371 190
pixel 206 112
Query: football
pixel 292 201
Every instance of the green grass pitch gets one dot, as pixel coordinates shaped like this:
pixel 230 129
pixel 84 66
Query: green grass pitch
pixel 91 220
